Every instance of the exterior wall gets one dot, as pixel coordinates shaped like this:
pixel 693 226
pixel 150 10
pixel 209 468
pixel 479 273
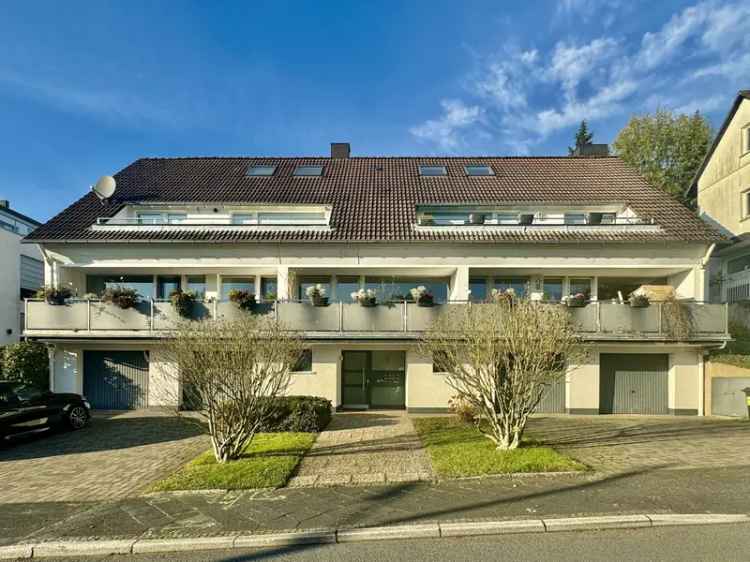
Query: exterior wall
pixel 164 388
pixel 582 386
pixel 685 382
pixel 720 370
pixel 324 379
pixel 426 390
pixel 726 176
pixel 11 304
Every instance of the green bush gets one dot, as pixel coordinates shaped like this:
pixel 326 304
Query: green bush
pixel 26 361
pixel 300 414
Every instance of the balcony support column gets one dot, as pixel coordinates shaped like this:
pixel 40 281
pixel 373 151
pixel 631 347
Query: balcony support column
pixel 282 283
pixel 460 284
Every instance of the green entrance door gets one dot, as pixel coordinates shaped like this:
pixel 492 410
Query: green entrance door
pixel 374 379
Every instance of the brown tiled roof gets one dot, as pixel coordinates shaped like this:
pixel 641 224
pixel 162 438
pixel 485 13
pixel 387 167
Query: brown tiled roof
pixel 374 198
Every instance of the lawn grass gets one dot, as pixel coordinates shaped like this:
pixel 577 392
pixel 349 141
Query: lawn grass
pixel 459 449
pixel 268 462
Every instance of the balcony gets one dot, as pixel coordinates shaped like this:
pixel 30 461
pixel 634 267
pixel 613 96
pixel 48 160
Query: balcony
pixel 595 321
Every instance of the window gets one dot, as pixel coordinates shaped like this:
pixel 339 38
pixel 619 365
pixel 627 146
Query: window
pixel 269 288
pixel 176 218
pixel 582 286
pixel 291 218
pixel 553 289
pixel 738 265
pixel 507 218
pixel 478 290
pixel 575 218
pixel 142 284
pixel 432 171
pixel 746 204
pixel 306 282
pixel 518 284
pixel 440 363
pixel 445 218
pixel 478 171
pixel 399 288
pixel 345 286
pixel 244 218
pixel 229 284
pixel 260 170
pixel 612 287
pixel 25 392
pixel 746 140
pixel 304 363
pixel 166 284
pixel 308 171
pixel 197 284
pixel 149 218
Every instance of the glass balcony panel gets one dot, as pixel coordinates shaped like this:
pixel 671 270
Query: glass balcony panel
pixel 70 316
pixel 380 318
pixel 304 316
pixel 111 317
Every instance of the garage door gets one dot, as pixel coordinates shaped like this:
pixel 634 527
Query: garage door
pixel 728 396
pixel 553 399
pixel 633 383
pixel 116 380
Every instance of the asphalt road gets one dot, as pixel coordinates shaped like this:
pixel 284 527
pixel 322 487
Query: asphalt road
pixel 724 543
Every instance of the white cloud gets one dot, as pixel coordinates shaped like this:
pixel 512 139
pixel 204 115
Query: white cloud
pixel 695 61
pixel 444 131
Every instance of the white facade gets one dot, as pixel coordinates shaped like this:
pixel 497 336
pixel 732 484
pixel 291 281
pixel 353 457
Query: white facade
pixel 12 229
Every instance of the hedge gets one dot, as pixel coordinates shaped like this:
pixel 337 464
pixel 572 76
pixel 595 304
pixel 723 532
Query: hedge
pixel 308 414
pixel 26 361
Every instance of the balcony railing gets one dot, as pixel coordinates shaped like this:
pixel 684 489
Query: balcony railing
pixel 153 318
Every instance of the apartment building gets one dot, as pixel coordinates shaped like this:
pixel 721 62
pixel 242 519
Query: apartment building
pixel 21 270
pixel 547 227
pixel 722 186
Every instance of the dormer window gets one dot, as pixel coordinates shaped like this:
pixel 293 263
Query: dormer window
pixel 433 171
pixel 478 170
pixel 260 170
pixel 575 218
pixel 308 171
pixel 161 218
pixel 243 218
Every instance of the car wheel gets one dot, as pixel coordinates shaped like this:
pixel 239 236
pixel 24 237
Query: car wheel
pixel 78 417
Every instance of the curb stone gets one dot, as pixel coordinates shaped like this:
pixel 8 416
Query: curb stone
pixel 104 547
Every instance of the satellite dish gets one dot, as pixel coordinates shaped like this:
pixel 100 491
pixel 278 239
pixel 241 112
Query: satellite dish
pixel 104 188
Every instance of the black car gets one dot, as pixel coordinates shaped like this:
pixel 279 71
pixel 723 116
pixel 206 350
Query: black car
pixel 25 409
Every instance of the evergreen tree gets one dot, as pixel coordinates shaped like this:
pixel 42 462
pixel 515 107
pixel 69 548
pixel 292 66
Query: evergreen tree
pixel 583 137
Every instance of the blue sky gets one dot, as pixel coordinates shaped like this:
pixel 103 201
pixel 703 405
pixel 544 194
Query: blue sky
pixel 88 87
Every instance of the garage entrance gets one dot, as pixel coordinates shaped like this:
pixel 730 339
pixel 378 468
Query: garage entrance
pixel 116 380
pixel 634 383
pixel 553 399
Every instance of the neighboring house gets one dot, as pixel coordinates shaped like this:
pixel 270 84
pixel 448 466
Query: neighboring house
pixel 547 227
pixel 723 191
pixel 21 270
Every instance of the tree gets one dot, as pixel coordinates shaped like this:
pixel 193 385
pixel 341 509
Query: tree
pixel 233 369
pixel 583 137
pixel 500 357
pixel 26 361
pixel 667 149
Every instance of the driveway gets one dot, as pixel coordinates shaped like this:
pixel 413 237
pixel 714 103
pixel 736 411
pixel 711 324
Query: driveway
pixel 115 457
pixel 625 443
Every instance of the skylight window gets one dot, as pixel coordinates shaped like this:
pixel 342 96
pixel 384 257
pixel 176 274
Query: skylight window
pixel 308 171
pixel 260 170
pixel 432 171
pixel 479 170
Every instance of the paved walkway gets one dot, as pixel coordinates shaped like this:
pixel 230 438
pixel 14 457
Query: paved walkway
pixel 626 443
pixel 115 457
pixel 365 448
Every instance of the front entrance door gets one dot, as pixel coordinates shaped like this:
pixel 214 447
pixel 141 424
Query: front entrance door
pixel 373 379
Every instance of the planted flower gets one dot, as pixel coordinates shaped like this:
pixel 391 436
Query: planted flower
pixel 122 297
pixel 54 295
pixel 317 295
pixel 422 296
pixel 365 297
pixel 183 302
pixel 578 300
pixel 639 300
pixel 243 299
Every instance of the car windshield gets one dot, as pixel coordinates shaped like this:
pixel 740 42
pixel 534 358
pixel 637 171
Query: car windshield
pixel 25 392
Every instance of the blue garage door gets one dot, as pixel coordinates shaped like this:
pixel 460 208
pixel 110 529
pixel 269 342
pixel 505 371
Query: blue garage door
pixel 116 380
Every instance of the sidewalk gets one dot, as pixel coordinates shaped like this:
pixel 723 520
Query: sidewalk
pixel 217 513
pixel 365 448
